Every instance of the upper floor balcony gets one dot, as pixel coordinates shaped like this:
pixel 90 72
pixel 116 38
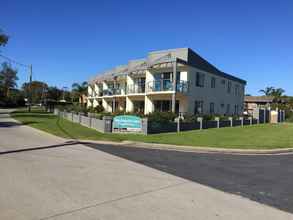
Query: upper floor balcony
pixel 166 85
pixel 107 92
pixel 113 92
pixel 136 88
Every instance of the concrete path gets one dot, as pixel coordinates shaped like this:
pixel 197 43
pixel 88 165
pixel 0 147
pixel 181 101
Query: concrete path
pixel 45 177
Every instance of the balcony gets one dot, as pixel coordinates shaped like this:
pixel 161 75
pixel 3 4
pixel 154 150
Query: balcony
pixel 136 88
pixel 166 85
pixel 108 92
pixel 119 91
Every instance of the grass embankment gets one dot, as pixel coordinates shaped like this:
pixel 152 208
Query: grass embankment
pixel 268 136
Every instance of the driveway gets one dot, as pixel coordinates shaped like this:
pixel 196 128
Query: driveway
pixel 45 177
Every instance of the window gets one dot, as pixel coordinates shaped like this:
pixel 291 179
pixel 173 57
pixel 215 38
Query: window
pixel 212 108
pixel 236 110
pixel 237 90
pixel 198 107
pixel 138 106
pixel 213 82
pixel 228 109
pixel 229 87
pixel 199 80
pixel 223 81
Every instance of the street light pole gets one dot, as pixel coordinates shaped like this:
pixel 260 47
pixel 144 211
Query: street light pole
pixel 30 88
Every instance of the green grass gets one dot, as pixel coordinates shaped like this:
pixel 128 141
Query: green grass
pixel 268 136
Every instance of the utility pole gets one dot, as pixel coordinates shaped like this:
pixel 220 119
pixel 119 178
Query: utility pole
pixel 30 88
pixel 30 67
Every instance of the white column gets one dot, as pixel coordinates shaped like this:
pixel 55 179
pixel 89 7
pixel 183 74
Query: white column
pixel 129 84
pixel 107 107
pixel 148 105
pixel 149 78
pixel 174 87
pixel 129 105
pixel 96 89
pixel 95 103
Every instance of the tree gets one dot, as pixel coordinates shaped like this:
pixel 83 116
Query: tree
pixel 267 91
pixel 3 38
pixel 272 91
pixel 79 90
pixel 278 92
pixel 54 93
pixel 38 90
pixel 8 78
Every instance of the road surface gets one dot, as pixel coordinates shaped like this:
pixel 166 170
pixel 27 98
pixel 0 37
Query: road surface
pixel 45 177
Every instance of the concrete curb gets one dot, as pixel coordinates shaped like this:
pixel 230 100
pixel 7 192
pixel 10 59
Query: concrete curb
pixel 180 148
pixel 191 148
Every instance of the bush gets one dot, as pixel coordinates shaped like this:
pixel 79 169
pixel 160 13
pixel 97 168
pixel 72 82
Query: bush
pixel 189 118
pixel 102 114
pixel 99 109
pixel 289 116
pixel 161 117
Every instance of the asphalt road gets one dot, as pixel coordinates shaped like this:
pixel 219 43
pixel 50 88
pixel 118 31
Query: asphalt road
pixel 46 177
pixel 265 179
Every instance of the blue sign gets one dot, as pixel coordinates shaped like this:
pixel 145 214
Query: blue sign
pixel 127 123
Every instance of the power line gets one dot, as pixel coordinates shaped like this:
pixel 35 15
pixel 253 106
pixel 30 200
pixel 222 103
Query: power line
pixel 14 61
pixel 30 67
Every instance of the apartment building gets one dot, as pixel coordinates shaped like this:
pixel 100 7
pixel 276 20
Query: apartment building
pixel 176 80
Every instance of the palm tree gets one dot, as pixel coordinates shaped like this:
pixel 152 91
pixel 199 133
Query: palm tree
pixel 272 91
pixel 267 91
pixel 8 79
pixel 80 90
pixel 277 93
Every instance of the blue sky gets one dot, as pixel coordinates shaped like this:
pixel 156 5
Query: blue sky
pixel 71 41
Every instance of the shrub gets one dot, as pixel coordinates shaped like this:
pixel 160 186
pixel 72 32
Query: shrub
pixel 102 114
pixel 161 117
pixel 99 109
pixel 289 116
pixel 189 118
pixel 208 117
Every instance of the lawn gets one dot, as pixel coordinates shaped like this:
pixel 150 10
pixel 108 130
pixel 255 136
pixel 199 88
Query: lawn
pixel 266 136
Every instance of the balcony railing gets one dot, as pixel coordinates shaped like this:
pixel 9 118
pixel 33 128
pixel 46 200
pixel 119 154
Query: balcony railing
pixel 107 92
pixel 182 86
pixel 136 88
pixel 119 91
pixel 167 85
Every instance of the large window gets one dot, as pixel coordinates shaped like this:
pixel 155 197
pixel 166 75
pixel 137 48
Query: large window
pixel 138 106
pixel 237 90
pixel 213 82
pixel 198 107
pixel 212 108
pixel 228 109
pixel 165 106
pixel 236 109
pixel 139 85
pixel 199 79
pixel 229 87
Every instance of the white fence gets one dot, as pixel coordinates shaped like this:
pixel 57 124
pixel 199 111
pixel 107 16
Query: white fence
pixel 89 122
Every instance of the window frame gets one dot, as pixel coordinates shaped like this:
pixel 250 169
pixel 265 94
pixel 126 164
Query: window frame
pixel 229 87
pixel 212 108
pixel 199 79
pixel 213 82
pixel 198 104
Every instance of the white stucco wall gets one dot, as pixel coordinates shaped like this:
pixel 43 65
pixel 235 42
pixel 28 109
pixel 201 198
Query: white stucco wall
pixel 218 95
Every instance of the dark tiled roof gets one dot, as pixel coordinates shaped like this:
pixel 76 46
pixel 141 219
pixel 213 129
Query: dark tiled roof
pixel 198 62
